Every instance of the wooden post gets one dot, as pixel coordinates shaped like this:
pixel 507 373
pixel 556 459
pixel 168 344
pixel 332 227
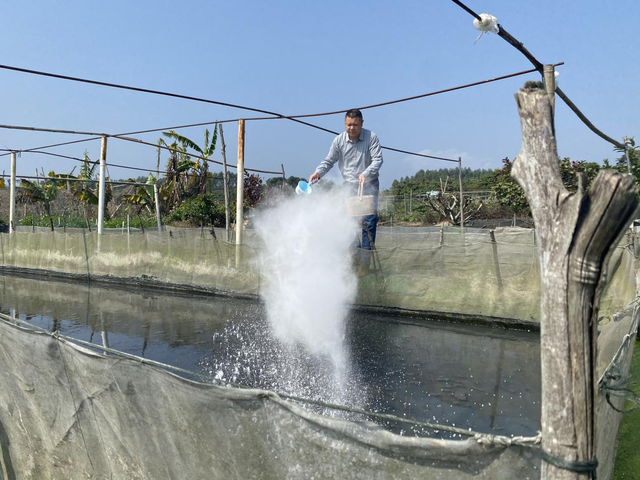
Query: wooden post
pixel 550 87
pixel 225 185
pixel 240 191
pixel 12 195
pixel 496 262
pixel 441 235
pixel 576 232
pixel 156 196
pixel 461 196
pixel 103 163
pixel 626 153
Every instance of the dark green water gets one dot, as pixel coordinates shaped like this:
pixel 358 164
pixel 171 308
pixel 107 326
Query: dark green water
pixel 470 377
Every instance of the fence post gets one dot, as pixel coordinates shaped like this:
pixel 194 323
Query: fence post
pixel 240 191
pixel 225 184
pixel 156 195
pixel 12 195
pixel 496 262
pixel 101 187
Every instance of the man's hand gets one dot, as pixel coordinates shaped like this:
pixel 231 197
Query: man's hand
pixel 362 178
pixel 313 178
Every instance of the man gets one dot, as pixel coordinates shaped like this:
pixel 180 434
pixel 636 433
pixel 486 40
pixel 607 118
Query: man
pixel 357 151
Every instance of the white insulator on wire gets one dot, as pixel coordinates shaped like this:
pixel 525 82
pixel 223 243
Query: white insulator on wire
pixel 489 23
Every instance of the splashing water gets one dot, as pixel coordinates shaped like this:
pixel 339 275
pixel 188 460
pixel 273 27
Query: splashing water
pixel 306 265
pixel 298 347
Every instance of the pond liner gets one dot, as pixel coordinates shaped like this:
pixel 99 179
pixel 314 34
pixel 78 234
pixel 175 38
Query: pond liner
pixel 147 283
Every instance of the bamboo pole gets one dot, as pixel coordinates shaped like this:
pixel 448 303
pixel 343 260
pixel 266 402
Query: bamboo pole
pixel 225 185
pixel 576 232
pixel 240 191
pixel 461 196
pixel 12 195
pixel 103 163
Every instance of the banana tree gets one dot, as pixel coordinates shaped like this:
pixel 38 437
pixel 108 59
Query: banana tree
pixel 88 191
pixel 40 192
pixel 178 163
pixel 197 182
pixel 144 196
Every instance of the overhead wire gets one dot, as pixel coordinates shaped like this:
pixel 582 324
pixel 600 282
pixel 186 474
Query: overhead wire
pixel 80 180
pixel 209 160
pixel 77 159
pixel 406 99
pixel 275 115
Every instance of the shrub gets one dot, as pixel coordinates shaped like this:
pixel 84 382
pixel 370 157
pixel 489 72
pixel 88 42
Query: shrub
pixel 199 210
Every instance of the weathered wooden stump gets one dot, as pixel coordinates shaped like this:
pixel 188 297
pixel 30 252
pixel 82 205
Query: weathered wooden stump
pixel 576 232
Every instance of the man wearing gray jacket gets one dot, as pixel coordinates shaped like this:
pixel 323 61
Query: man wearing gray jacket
pixel 357 152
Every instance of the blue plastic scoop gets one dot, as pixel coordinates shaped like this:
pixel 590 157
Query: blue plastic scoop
pixel 303 188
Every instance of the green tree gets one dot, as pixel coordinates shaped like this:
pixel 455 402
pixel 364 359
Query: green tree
pixel 507 191
pixel 253 190
pixel 509 194
pixel 292 181
pixel 430 180
pixel 570 171
pixel 621 161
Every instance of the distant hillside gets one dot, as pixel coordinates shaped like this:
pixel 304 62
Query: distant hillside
pixel 427 180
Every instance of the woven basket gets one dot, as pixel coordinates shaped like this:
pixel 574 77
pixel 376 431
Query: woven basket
pixel 360 205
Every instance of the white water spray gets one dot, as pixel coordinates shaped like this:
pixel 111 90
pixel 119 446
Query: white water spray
pixel 308 279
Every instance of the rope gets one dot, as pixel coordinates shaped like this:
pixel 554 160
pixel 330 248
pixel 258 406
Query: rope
pixel 572 466
pixel 75 405
pixel 487 439
pixel 616 388
pixel 487 23
pixel 612 382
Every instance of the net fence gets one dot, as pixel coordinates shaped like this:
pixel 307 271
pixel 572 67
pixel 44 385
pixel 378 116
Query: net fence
pixel 69 412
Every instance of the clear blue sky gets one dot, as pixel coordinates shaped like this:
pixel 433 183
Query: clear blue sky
pixel 304 57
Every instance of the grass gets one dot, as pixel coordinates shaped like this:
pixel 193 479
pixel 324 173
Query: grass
pixel 628 456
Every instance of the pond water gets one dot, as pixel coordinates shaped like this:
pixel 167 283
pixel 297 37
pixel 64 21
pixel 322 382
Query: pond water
pixel 477 378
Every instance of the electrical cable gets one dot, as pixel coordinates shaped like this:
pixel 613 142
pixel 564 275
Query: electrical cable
pixel 275 115
pixel 506 36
